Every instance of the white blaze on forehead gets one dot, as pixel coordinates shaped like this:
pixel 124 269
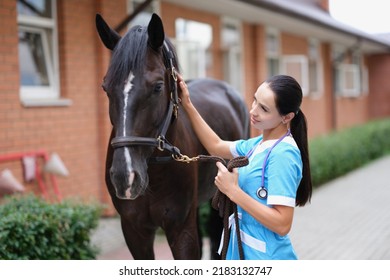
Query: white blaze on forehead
pixel 129 84
pixel 126 91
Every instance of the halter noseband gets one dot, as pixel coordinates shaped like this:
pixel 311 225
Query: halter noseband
pixel 160 142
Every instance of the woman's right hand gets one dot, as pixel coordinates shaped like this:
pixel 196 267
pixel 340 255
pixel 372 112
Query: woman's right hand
pixel 184 94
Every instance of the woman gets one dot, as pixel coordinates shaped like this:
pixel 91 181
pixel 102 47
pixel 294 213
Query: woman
pixel 277 177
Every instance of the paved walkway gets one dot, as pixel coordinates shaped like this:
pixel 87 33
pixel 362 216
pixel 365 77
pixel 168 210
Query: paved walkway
pixel 348 219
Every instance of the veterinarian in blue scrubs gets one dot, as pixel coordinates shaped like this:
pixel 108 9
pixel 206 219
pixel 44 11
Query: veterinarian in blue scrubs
pixel 277 177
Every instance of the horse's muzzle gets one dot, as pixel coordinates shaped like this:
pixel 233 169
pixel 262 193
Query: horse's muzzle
pixel 124 185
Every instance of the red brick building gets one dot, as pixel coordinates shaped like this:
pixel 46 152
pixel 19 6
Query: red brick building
pixel 52 63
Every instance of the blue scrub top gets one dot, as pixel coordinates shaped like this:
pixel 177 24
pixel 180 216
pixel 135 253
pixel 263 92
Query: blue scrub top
pixel 283 173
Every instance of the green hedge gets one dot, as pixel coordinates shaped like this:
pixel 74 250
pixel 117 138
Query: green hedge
pixel 340 152
pixel 32 229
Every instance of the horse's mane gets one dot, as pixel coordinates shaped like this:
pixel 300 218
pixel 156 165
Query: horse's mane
pixel 129 55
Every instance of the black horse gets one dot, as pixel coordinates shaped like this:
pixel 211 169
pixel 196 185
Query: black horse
pixel 149 186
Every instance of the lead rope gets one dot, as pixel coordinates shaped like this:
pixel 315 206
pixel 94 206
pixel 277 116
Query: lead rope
pixel 220 201
pixel 226 207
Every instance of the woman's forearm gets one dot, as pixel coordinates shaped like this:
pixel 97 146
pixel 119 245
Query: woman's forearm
pixel 209 139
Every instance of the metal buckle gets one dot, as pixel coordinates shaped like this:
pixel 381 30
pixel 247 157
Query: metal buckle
pixel 160 143
pixel 174 73
pixel 185 158
pixel 175 110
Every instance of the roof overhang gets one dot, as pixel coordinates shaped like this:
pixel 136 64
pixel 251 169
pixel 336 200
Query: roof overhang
pixel 293 17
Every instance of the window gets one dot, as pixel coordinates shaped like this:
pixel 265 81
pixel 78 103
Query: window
pixel 231 50
pixel 193 42
pixel 314 57
pixel 35 65
pixel 38 55
pixel 351 78
pixel 297 66
pixel 348 82
pixel 273 51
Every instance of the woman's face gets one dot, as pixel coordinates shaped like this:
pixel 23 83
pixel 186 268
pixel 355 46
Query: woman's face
pixel 264 114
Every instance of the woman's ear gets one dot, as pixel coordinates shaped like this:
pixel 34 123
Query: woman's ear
pixel 287 118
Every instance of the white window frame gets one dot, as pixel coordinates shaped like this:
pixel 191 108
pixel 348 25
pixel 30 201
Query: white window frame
pixel 356 68
pixel 303 65
pixel 352 70
pixel 44 95
pixel 273 54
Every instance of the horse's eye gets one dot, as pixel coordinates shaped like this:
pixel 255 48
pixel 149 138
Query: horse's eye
pixel 158 87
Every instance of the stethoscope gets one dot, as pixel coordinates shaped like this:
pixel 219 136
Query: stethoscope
pixel 262 192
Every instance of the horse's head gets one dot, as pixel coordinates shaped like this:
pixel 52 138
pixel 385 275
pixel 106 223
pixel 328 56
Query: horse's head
pixel 138 84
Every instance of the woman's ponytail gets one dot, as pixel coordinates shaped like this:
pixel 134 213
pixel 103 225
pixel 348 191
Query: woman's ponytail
pixel 288 98
pixel 299 132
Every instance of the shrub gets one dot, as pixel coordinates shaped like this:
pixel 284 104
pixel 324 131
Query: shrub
pixel 32 229
pixel 340 152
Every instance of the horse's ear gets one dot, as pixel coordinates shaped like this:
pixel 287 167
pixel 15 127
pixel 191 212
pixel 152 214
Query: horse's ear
pixel 156 32
pixel 108 36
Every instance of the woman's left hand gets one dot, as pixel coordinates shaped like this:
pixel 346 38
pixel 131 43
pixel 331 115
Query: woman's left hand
pixel 226 182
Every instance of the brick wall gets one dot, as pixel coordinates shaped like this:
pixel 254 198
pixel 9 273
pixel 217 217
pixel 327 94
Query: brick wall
pixel 9 81
pixel 379 69
pixel 78 133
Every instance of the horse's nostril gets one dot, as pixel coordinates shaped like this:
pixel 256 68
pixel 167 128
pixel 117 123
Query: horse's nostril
pixel 128 193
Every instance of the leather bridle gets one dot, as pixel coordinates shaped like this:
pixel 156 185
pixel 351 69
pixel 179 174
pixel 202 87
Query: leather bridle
pixel 160 142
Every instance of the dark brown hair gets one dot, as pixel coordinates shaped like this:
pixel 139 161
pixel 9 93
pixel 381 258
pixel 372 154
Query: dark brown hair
pixel 288 98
